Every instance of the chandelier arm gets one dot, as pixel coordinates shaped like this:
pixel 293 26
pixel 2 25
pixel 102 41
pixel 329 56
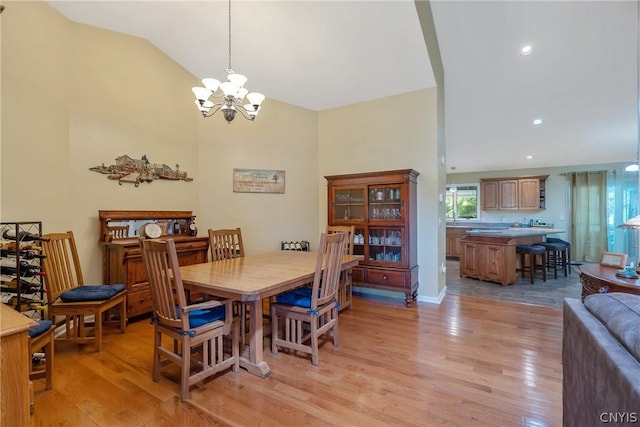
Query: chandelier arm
pixel 244 113
pixel 212 112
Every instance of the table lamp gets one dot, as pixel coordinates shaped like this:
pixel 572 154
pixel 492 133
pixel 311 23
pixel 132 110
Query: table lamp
pixel 633 224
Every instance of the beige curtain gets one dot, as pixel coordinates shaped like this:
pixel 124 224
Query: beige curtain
pixel 588 215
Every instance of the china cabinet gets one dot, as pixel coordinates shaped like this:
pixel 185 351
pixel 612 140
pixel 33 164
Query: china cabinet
pixel 519 193
pixel 122 259
pixel 382 207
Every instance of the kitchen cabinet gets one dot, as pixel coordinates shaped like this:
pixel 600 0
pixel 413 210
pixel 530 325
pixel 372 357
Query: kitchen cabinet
pixel 122 258
pixel 519 193
pixel 488 258
pixel 454 236
pixel 383 208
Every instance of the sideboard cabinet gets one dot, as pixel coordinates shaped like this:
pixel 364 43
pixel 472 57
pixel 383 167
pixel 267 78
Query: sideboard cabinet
pixel 122 259
pixel 382 207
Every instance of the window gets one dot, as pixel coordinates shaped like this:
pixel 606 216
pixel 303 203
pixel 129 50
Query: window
pixel 462 201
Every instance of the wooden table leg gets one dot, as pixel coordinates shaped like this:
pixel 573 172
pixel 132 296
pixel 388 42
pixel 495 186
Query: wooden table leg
pixel 254 363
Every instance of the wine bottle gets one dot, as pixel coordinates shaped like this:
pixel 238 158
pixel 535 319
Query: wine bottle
pixel 11 262
pixel 24 254
pixel 13 271
pixel 22 236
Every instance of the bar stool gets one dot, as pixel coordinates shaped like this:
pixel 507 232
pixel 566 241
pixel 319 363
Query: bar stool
pixel 556 257
pixel 532 251
pixel 568 254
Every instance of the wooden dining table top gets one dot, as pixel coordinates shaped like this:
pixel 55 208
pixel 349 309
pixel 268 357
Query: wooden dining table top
pixel 257 276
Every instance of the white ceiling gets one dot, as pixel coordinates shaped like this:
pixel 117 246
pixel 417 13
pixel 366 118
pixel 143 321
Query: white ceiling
pixel 581 79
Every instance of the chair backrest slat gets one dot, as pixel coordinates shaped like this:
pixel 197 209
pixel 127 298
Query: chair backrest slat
pixel 328 266
pixel 226 244
pixel 61 264
pixel 167 291
pixel 118 231
pixel 349 230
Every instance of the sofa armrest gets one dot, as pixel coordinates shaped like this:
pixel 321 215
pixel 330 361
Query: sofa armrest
pixel 601 379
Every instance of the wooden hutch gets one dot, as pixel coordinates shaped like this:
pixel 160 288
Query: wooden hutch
pixel 122 259
pixel 383 208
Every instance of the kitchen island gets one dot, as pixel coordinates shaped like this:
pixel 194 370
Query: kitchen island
pixel 490 254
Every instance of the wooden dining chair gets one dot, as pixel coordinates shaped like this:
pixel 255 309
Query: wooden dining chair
pixel 200 326
pixel 41 341
pixel 308 313
pixel 226 244
pixel 118 232
pixel 345 289
pixel 68 296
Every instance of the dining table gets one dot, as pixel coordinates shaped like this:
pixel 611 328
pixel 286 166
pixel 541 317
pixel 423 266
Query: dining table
pixel 250 279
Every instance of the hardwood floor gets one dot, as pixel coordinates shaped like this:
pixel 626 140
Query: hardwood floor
pixel 467 362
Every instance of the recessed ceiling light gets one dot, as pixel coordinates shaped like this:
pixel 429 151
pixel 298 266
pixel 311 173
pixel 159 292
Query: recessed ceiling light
pixel 537 122
pixel 529 157
pixel 526 50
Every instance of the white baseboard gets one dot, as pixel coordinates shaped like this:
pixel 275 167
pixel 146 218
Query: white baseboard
pixel 432 300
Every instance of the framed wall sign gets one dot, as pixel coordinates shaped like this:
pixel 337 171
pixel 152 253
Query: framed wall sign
pixel 613 259
pixel 258 181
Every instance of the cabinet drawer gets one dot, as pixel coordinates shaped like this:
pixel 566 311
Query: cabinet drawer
pixel 357 275
pixel 139 302
pixel 385 277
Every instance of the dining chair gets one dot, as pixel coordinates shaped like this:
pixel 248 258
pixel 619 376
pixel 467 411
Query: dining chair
pixel 308 313
pixel 195 329
pixel 226 244
pixel 345 289
pixel 118 232
pixel 68 296
pixel 41 340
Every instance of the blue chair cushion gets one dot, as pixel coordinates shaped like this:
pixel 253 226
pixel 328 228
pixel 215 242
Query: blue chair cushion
pixel 300 297
pixel 91 293
pixel 43 326
pixel 202 317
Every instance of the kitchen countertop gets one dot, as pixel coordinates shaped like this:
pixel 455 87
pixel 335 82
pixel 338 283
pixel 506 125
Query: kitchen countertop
pixel 514 231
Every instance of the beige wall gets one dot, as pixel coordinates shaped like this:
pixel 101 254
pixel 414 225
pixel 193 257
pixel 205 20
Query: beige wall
pixel 398 132
pixel 282 137
pixel 75 96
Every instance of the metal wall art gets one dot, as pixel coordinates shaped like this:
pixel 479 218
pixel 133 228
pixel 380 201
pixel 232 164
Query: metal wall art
pixel 258 181
pixel 135 171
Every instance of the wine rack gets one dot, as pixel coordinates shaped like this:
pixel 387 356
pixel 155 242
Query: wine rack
pixel 21 274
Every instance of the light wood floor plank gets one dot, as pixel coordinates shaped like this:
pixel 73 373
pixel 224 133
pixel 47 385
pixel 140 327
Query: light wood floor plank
pixel 467 362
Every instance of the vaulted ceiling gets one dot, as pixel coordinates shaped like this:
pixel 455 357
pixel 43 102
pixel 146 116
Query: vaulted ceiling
pixel 581 79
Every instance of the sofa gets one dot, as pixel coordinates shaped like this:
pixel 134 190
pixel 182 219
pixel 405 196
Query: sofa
pixel 601 360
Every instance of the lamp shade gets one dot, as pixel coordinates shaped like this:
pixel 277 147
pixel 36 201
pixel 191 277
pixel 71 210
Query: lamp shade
pixel 633 223
pixel 237 79
pixel 211 84
pixel 201 93
pixel 229 89
pixel 255 98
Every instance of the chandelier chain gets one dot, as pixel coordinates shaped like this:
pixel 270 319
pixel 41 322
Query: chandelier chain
pixel 228 70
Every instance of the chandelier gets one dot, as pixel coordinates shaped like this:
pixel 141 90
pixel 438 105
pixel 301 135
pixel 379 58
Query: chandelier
pixel 228 96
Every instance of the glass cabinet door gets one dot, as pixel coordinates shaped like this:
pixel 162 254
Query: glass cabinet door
pixel 385 203
pixel 385 244
pixel 349 204
pixel 359 241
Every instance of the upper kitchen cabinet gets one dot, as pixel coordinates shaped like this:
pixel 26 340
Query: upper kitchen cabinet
pixel 518 193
